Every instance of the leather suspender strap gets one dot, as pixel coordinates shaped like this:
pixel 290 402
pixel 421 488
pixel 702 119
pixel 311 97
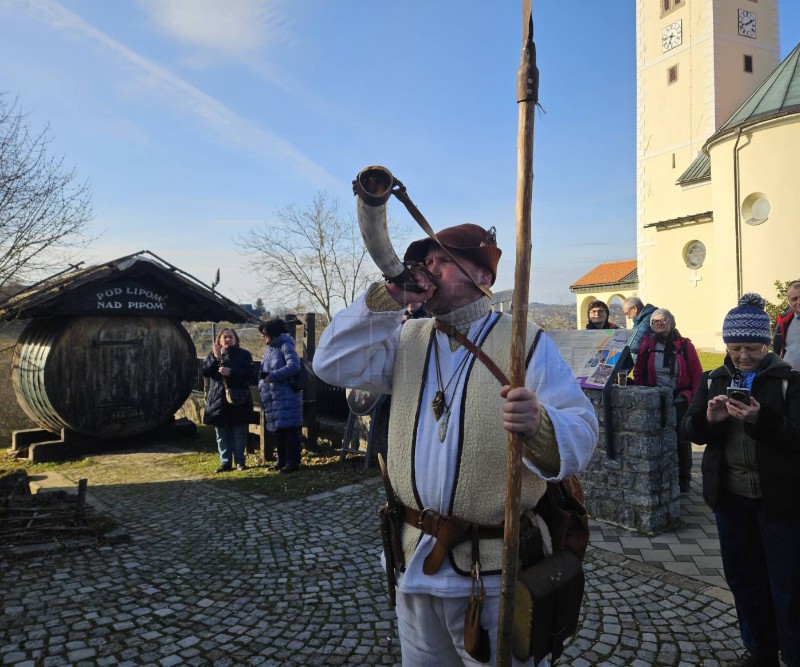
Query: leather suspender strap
pixel 485 359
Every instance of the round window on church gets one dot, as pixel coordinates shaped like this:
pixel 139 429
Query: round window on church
pixel 694 254
pixel 756 208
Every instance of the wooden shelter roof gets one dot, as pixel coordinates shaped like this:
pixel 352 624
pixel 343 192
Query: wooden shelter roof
pixel 141 283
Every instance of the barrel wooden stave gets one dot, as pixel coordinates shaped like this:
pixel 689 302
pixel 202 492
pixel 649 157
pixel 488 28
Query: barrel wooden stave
pixel 113 376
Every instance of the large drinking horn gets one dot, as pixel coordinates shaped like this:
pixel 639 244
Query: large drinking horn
pixel 373 187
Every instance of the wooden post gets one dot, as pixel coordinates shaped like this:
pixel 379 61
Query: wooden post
pixel 310 427
pixel 527 97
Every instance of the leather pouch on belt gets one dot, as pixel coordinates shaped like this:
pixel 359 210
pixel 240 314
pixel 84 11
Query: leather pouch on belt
pixel 476 638
pixel 449 532
pixel 547 606
pixel 388 553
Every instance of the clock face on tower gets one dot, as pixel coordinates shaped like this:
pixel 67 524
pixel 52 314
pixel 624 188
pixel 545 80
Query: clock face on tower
pixel 747 23
pixel 671 36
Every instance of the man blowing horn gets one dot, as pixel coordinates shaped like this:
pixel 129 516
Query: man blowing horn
pixel 447 436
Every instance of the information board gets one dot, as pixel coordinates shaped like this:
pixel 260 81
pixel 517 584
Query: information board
pixel 592 354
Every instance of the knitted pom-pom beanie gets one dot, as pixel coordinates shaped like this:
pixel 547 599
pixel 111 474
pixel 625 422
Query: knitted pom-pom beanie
pixel 748 322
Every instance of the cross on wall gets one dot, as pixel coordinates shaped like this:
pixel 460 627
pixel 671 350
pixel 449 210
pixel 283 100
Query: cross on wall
pixel 695 278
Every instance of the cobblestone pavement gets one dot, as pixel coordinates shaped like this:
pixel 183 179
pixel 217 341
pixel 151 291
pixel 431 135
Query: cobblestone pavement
pixel 215 577
pixel 692 549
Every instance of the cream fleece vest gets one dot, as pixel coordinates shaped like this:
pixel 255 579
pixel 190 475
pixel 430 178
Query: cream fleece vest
pixel 480 485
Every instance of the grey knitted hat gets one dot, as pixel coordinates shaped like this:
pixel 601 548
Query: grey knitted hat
pixel 748 322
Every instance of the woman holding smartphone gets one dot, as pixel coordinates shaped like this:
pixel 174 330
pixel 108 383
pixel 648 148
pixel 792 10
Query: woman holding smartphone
pixel 747 413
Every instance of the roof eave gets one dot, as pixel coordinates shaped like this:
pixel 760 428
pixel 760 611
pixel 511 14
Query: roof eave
pixel 725 132
pixel 623 284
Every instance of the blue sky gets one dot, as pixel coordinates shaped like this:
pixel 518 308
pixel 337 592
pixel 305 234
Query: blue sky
pixel 195 120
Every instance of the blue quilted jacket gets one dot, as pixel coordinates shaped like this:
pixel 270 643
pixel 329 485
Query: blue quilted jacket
pixel 283 406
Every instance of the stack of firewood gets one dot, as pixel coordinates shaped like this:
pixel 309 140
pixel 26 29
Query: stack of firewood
pixel 53 516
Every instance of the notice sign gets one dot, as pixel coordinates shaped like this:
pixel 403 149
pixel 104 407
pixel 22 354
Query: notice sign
pixel 592 354
pixel 123 297
pixel 130 297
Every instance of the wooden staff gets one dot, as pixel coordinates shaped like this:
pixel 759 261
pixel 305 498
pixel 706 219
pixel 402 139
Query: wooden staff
pixel 527 97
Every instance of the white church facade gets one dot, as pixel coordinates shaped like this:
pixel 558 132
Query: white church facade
pixel 718 159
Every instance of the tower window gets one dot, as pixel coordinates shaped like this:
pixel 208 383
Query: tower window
pixel 748 64
pixel 672 74
pixel 669 5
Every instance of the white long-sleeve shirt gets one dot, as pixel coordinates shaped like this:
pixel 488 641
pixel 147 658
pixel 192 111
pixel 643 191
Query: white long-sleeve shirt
pixel 358 350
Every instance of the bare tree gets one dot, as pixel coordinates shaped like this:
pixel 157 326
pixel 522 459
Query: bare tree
pixel 42 209
pixel 310 256
pixel 552 317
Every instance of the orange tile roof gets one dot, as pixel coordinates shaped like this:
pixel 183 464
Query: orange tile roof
pixel 607 274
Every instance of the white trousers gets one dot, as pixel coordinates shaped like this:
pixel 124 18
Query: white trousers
pixel 431 631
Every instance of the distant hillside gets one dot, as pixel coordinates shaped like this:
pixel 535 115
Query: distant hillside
pixel 553 315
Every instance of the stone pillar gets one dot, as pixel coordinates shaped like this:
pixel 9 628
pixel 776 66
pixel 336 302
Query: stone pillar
pixel 638 489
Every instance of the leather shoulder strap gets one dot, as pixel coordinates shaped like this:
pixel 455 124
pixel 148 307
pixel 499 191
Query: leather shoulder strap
pixel 536 337
pixel 484 358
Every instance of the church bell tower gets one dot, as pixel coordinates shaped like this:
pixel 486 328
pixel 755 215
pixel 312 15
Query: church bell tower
pixel 697 61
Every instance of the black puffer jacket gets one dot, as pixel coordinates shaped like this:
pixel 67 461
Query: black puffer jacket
pixel 218 411
pixel 777 433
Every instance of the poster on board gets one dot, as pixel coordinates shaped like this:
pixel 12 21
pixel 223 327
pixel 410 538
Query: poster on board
pixel 592 354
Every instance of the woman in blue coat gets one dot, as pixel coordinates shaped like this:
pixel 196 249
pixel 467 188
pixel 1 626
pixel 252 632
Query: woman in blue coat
pixel 282 405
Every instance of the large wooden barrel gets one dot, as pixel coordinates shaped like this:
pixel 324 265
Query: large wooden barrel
pixel 103 376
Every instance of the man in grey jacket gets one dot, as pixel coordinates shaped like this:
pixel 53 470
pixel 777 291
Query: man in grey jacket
pixel 639 314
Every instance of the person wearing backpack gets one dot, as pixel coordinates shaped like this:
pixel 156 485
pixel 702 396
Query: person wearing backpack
pixel 282 404
pixel 667 359
pixel 747 414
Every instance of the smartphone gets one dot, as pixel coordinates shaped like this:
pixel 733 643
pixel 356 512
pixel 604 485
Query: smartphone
pixel 741 394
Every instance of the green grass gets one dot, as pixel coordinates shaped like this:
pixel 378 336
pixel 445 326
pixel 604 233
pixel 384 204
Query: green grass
pixel 320 471
pixel 32 468
pixel 710 360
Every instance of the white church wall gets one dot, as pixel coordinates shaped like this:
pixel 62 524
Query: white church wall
pixel 683 290
pixel 769 163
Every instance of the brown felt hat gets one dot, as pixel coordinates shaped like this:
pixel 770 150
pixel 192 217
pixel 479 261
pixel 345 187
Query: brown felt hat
pixel 471 241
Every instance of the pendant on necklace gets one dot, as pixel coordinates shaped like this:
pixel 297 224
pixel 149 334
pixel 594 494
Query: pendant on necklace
pixel 438 404
pixel 443 424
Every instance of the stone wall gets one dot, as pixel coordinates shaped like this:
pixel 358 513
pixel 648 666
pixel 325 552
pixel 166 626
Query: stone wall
pixel 637 488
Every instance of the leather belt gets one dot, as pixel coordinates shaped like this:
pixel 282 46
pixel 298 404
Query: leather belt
pixel 449 531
